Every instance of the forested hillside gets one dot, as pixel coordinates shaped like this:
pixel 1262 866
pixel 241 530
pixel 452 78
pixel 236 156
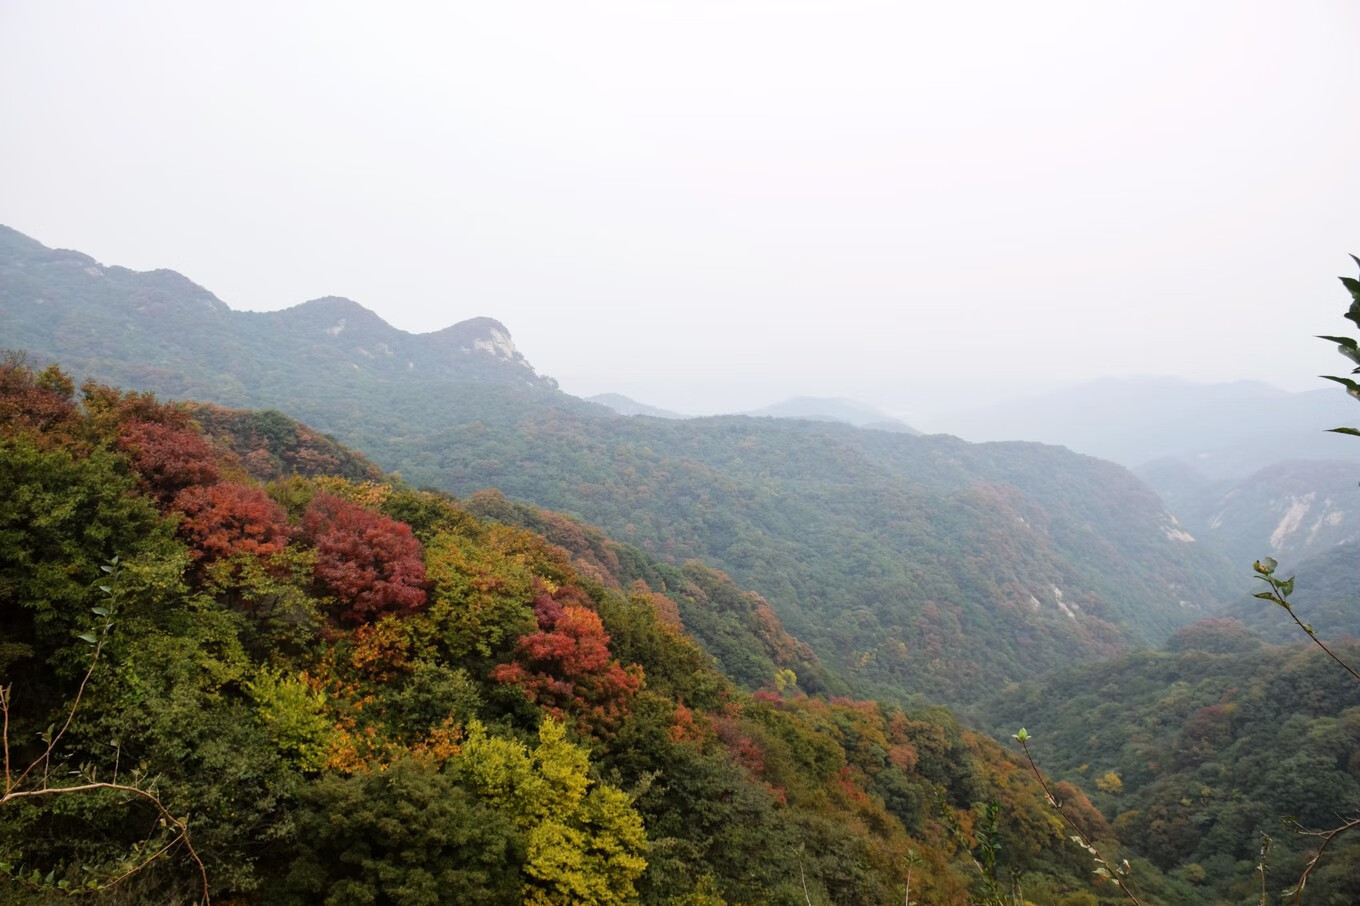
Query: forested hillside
pixel 335 688
pixel 898 558
pixel 1196 751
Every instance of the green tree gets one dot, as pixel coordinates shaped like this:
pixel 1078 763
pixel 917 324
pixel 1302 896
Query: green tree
pixel 585 841
pixel 407 836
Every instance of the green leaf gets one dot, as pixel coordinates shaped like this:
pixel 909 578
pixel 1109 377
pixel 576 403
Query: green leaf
pixel 100 611
pixel 1348 342
pixel 88 637
pixel 1287 587
pixel 1023 735
pixel 1349 384
pixel 1351 431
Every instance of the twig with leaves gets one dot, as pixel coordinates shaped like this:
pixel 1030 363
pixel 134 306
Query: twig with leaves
pixel 1280 590
pixel 1115 873
pixel 32 783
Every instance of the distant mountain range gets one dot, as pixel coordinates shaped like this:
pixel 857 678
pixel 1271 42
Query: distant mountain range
pixel 625 406
pixel 1227 430
pixel 160 329
pixel 812 408
pixel 914 565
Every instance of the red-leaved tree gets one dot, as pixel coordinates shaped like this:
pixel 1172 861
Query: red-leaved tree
pixel 566 667
pixel 166 458
pixel 220 520
pixel 371 563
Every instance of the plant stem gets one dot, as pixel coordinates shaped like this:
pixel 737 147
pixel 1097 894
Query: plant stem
pixel 1081 834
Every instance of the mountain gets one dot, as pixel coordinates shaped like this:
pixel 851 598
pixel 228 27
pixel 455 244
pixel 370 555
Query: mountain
pixel 915 566
pixel 625 406
pixel 281 685
pixel 835 409
pixel 1290 510
pixel 1226 430
pixel 159 329
pixel 1203 750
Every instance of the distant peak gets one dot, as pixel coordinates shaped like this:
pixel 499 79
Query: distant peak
pixel 480 335
pixel 486 339
pixel 337 305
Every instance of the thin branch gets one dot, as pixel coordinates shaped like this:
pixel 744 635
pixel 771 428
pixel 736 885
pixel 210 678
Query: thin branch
pixel 1327 837
pixel 803 877
pixel 70 716
pixel 4 705
pixel 1317 641
pixel 13 792
pixel 1280 590
pixel 1113 875
pixel 180 826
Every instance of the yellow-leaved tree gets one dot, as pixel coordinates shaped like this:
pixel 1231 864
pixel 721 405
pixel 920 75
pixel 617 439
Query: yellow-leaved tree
pixel 585 839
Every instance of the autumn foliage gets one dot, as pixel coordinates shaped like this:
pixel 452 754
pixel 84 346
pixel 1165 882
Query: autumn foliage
pixel 372 564
pixel 168 459
pixel 220 520
pixel 566 667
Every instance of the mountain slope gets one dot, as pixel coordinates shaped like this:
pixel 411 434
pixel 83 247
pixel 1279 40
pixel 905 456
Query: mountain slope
pixel 161 330
pixel 916 565
pixel 1290 510
pixel 1199 749
pixel 343 690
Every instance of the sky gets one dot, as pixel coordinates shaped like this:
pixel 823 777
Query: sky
pixel 710 206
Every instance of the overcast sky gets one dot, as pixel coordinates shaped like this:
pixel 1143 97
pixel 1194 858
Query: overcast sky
pixel 714 205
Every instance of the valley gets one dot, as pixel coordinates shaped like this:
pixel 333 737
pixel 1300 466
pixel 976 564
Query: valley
pixel 774 642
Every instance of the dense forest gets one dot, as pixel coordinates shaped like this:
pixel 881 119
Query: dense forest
pixel 241 663
pixel 1202 750
pixel 896 557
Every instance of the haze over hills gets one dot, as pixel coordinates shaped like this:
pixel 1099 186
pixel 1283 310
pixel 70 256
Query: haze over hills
pixel 1227 430
pixel 626 406
pixel 898 557
pixel 814 408
pixel 836 409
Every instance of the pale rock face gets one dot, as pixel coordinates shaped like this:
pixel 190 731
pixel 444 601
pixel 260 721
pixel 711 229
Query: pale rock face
pixel 1291 520
pixel 1062 605
pixel 497 344
pixel 1174 532
pixel 335 330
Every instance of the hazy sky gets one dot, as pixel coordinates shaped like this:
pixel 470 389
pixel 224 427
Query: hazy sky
pixel 713 205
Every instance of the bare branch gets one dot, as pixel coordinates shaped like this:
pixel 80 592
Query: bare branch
pixel 1112 873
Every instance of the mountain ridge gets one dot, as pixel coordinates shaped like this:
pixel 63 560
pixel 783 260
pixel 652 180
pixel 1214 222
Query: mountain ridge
pixel 897 557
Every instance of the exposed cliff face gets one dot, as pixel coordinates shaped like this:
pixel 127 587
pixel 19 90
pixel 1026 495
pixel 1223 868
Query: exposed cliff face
pixel 1291 510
